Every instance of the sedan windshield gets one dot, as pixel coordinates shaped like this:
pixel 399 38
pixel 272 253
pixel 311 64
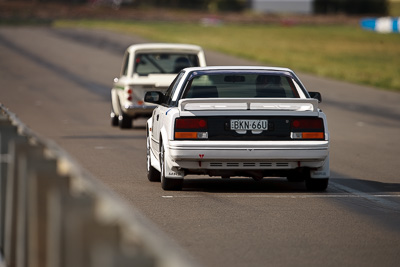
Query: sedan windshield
pixel 243 85
pixel 153 63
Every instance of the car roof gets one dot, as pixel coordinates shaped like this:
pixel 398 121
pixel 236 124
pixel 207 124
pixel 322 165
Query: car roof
pixel 238 68
pixel 163 47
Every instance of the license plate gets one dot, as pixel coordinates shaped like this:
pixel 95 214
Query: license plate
pixel 249 125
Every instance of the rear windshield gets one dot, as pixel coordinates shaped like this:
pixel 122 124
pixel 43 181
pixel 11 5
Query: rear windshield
pixel 271 85
pixel 153 63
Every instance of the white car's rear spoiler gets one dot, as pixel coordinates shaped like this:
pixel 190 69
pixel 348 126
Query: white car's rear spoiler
pixel 272 104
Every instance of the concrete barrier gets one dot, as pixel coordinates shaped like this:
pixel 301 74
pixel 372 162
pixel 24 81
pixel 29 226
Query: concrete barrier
pixel 55 214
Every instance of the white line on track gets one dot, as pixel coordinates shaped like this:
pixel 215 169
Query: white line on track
pixel 383 200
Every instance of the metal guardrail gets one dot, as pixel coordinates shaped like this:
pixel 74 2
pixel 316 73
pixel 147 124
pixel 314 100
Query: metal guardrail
pixel 55 214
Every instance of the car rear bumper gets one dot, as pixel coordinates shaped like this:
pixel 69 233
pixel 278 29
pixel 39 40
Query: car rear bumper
pixel 268 155
pixel 138 110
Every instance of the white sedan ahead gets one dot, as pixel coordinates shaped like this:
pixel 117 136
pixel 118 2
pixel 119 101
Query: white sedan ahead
pixel 237 121
pixel 148 67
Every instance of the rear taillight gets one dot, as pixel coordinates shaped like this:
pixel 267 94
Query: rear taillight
pixel 129 94
pixel 311 123
pixel 131 97
pixel 190 124
pixel 307 128
pixel 190 128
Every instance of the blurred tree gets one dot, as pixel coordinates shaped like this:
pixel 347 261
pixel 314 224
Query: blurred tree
pixel 227 5
pixel 53 1
pixel 216 5
pixel 192 4
pixel 212 5
pixel 351 7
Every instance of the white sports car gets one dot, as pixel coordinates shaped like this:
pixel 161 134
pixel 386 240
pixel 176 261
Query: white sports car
pixel 237 121
pixel 147 67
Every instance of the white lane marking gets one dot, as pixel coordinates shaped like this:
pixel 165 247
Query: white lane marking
pixel 381 200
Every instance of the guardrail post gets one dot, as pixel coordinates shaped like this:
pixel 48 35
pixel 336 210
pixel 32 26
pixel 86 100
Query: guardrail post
pixel 90 232
pixel 7 132
pixel 80 239
pixel 41 182
pixel 70 227
pixel 11 214
pixel 24 158
pixel 28 158
pixel 30 161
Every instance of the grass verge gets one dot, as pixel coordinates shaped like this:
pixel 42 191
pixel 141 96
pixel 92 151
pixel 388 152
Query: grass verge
pixel 341 52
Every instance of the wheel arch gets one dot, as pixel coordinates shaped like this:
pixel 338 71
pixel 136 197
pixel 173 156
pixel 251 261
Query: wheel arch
pixel 115 102
pixel 163 136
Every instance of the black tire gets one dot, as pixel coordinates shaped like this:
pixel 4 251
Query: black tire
pixel 124 121
pixel 298 175
pixel 114 116
pixel 152 174
pixel 168 184
pixel 317 185
pixel 114 119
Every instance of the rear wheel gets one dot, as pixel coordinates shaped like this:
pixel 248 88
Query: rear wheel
pixel 124 121
pixel 152 174
pixel 114 119
pixel 317 185
pixel 114 116
pixel 298 175
pixel 168 183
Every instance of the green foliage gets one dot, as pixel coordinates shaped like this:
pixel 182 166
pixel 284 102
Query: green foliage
pixel 227 5
pixel 211 5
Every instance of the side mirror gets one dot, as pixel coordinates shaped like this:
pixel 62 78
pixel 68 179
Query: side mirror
pixel 316 95
pixel 154 97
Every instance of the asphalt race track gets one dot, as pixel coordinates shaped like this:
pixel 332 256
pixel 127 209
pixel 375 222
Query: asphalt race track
pixel 58 82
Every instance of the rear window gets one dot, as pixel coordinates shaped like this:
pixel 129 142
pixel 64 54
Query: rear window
pixel 271 85
pixel 168 63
